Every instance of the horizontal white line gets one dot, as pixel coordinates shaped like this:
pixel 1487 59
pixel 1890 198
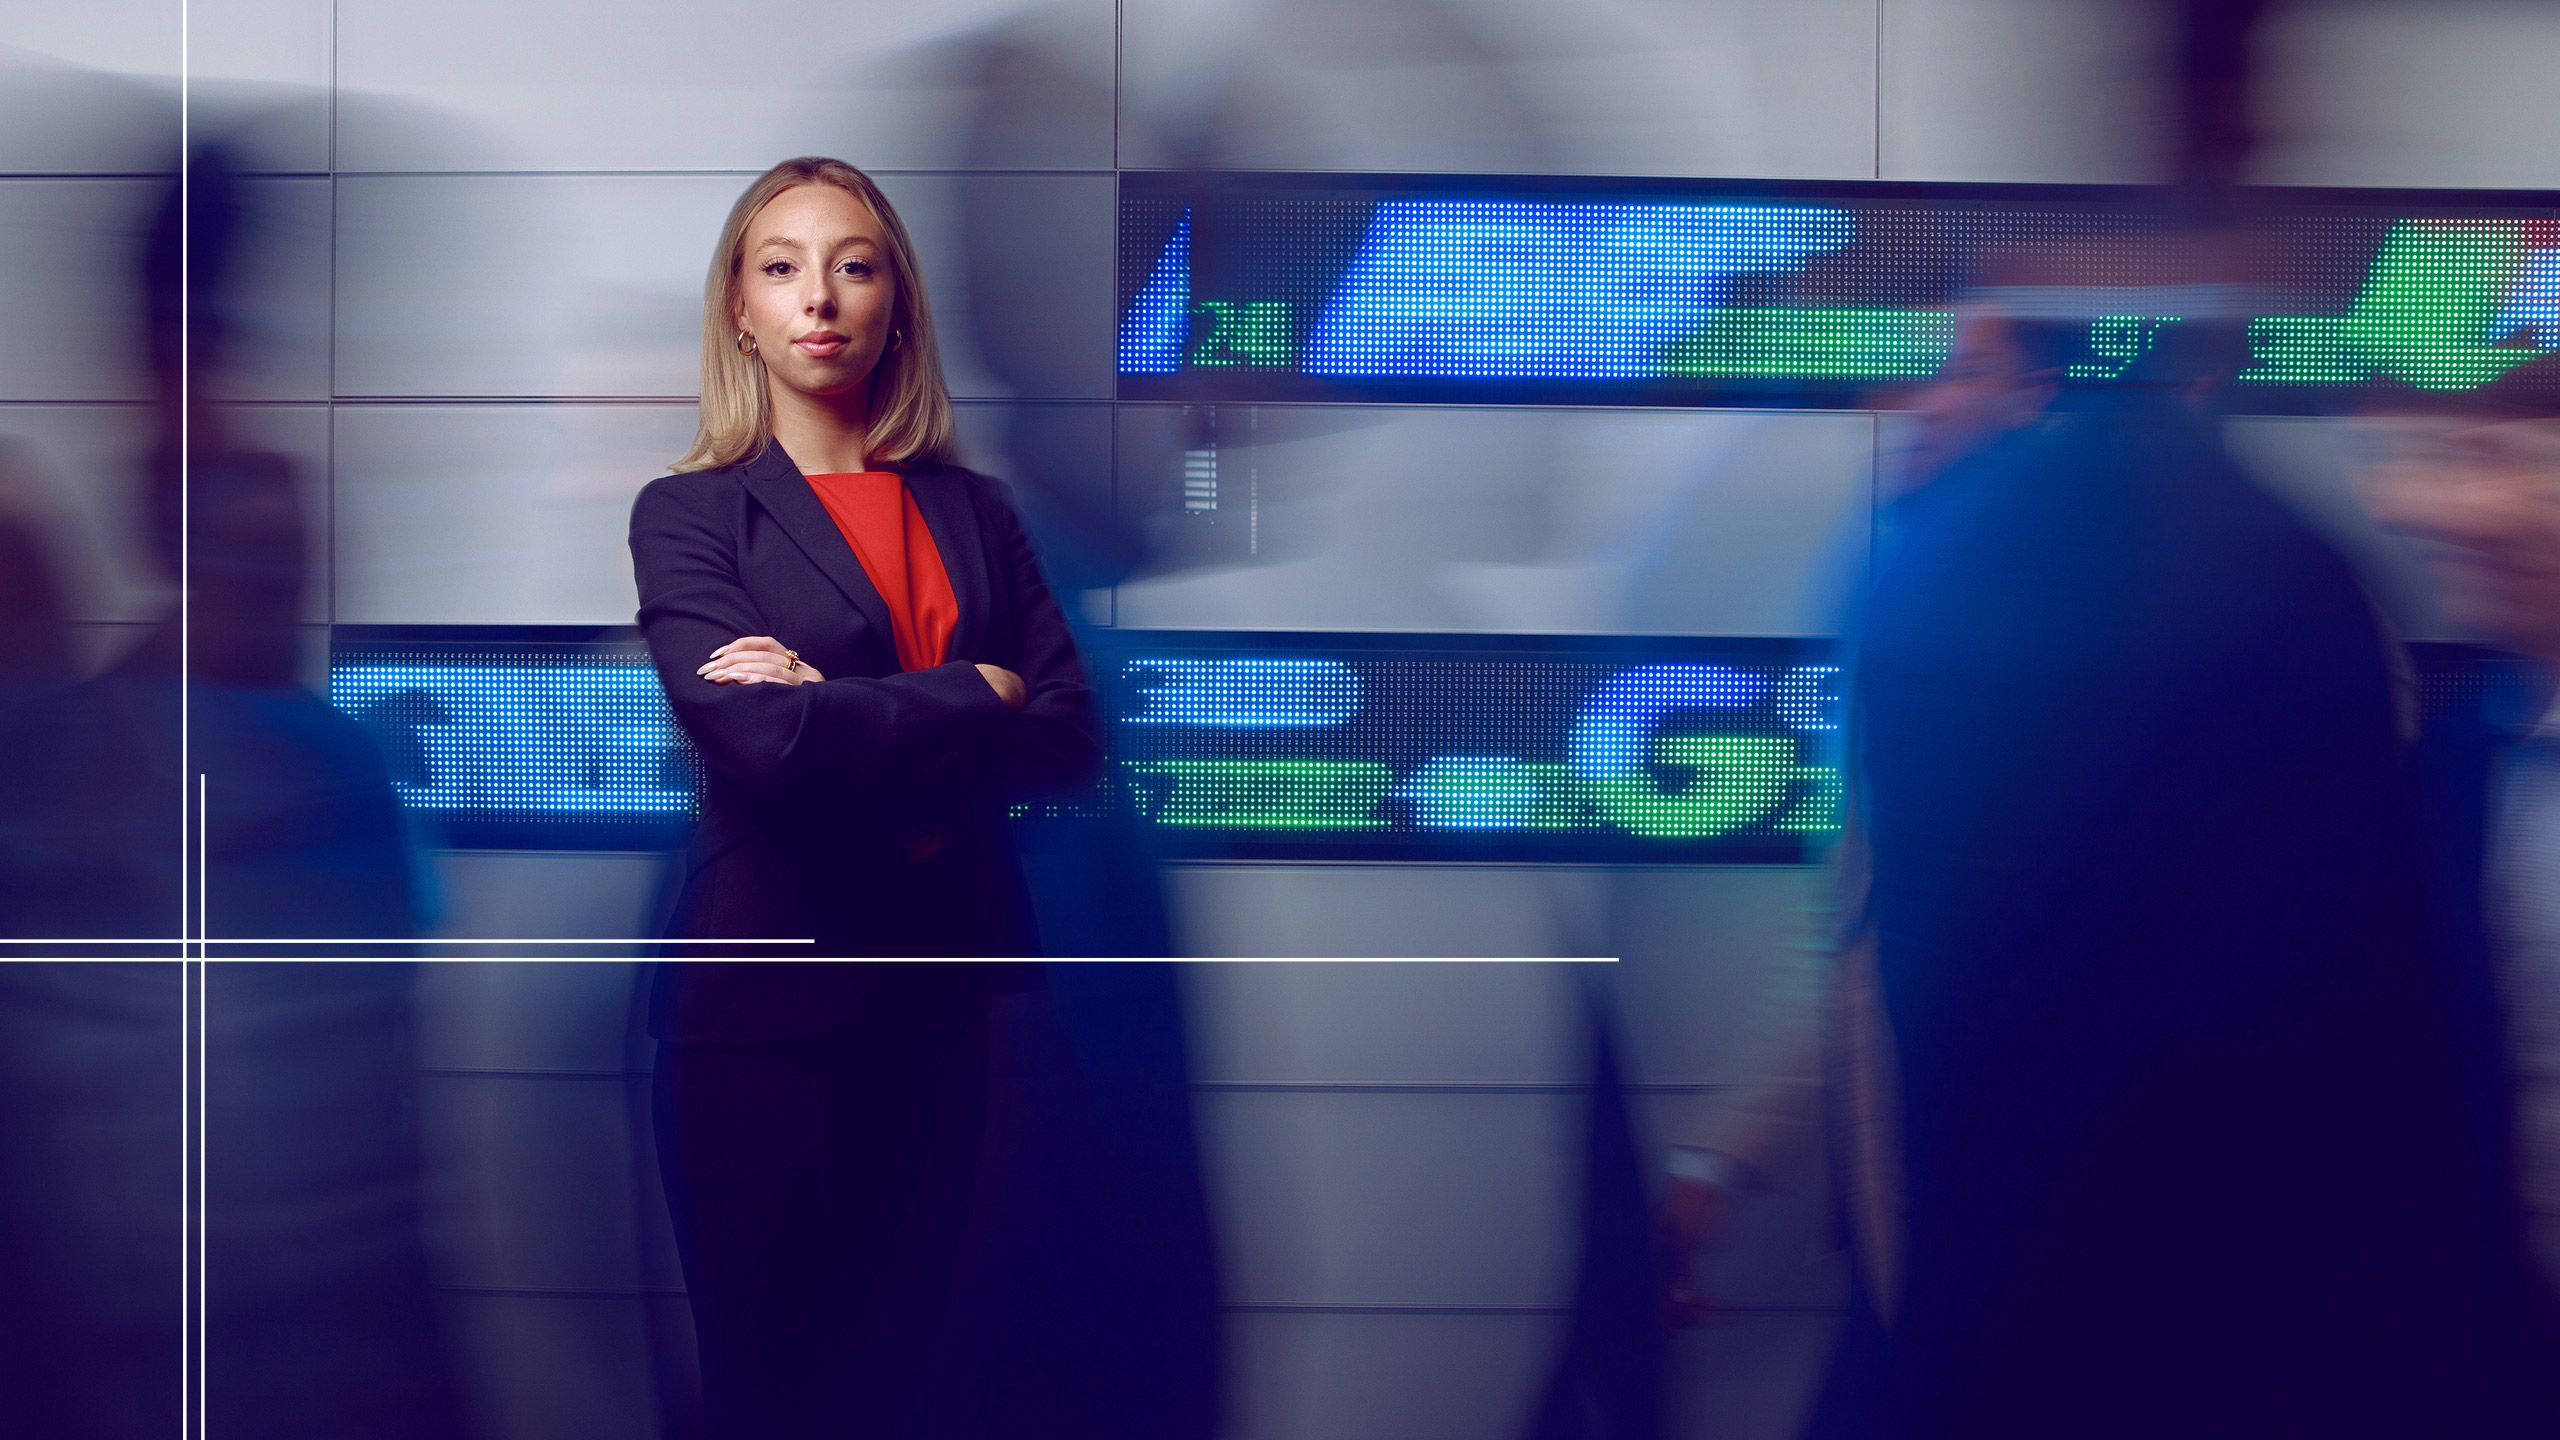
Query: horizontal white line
pixel 529 940
pixel 201 940
pixel 911 959
pixel 589 173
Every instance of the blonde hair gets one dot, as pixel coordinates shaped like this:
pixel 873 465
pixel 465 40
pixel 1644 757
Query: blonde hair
pixel 910 407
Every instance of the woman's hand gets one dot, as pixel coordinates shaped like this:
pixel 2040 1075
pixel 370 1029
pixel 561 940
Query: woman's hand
pixel 1008 686
pixel 757 660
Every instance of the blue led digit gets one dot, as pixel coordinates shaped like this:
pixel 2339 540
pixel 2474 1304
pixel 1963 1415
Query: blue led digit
pixel 2530 309
pixel 1512 290
pixel 1159 316
pixel 1806 699
pixel 1471 792
pixel 1614 733
pixel 484 736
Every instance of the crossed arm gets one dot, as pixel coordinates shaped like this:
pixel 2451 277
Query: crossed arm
pixel 767 724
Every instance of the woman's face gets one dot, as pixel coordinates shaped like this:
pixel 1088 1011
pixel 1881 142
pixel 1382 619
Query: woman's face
pixel 815 290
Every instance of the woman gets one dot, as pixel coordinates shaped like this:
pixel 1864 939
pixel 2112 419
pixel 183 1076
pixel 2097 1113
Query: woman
pixel 853 631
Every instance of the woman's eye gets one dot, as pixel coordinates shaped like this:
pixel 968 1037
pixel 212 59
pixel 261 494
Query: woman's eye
pixel 774 266
pixel 857 267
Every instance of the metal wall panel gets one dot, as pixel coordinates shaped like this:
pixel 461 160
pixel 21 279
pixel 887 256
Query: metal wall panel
pixel 90 89
pixel 1618 87
pixel 591 285
pixel 1333 1376
pixel 77 471
pixel 1355 1199
pixel 2021 90
pixel 2379 92
pixel 1502 520
pixel 494 514
pixel 520 514
pixel 533 1015
pixel 71 254
pixel 671 85
pixel 259 78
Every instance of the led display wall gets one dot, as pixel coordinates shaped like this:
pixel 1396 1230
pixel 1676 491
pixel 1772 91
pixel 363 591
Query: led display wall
pixel 1295 287
pixel 1241 745
pixel 1455 747
pixel 1225 745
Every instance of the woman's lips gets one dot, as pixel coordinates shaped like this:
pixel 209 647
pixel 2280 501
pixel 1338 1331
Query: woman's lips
pixel 821 348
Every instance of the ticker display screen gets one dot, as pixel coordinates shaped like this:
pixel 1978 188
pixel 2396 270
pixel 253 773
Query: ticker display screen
pixel 1466 289
pixel 1223 745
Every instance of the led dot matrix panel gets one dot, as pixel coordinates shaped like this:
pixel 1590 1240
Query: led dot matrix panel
pixel 521 738
pixel 1288 287
pixel 1317 746
pixel 1227 745
pixel 1454 747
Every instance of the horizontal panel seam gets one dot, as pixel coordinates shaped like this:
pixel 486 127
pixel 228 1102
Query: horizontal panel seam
pixel 1206 1087
pixel 1236 1307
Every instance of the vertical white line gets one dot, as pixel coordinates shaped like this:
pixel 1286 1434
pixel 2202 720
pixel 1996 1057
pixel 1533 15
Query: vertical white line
pixel 204 1053
pixel 186 383
pixel 190 1211
pixel 186 1192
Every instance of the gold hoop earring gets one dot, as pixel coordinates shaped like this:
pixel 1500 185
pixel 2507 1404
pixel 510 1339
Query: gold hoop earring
pixel 897 338
pixel 746 343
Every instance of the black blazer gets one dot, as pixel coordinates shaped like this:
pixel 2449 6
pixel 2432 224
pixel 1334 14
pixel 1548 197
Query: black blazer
pixel 865 812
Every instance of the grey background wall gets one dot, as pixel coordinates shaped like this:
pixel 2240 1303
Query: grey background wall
pixel 487 221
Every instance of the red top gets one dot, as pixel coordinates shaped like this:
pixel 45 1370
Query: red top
pixel 888 535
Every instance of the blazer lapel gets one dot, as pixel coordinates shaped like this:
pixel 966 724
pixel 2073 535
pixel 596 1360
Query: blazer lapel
pixel 942 498
pixel 776 482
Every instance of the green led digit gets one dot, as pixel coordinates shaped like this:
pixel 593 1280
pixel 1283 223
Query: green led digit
pixel 1562 803
pixel 1457 792
pixel 1252 332
pixel 1735 781
pixel 1263 794
pixel 1787 342
pixel 1818 812
pixel 2420 317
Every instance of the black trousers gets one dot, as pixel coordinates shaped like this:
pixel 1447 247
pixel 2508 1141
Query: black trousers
pixel 821 1188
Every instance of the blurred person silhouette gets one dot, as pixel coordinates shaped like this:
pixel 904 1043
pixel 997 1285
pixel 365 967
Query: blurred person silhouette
pixel 318 1320
pixel 815 580
pixel 91 1129
pixel 1089 1294
pixel 1822 1079
pixel 2472 478
pixel 90 1343
pixel 1822 1085
pixel 2142 886
pixel 2133 964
